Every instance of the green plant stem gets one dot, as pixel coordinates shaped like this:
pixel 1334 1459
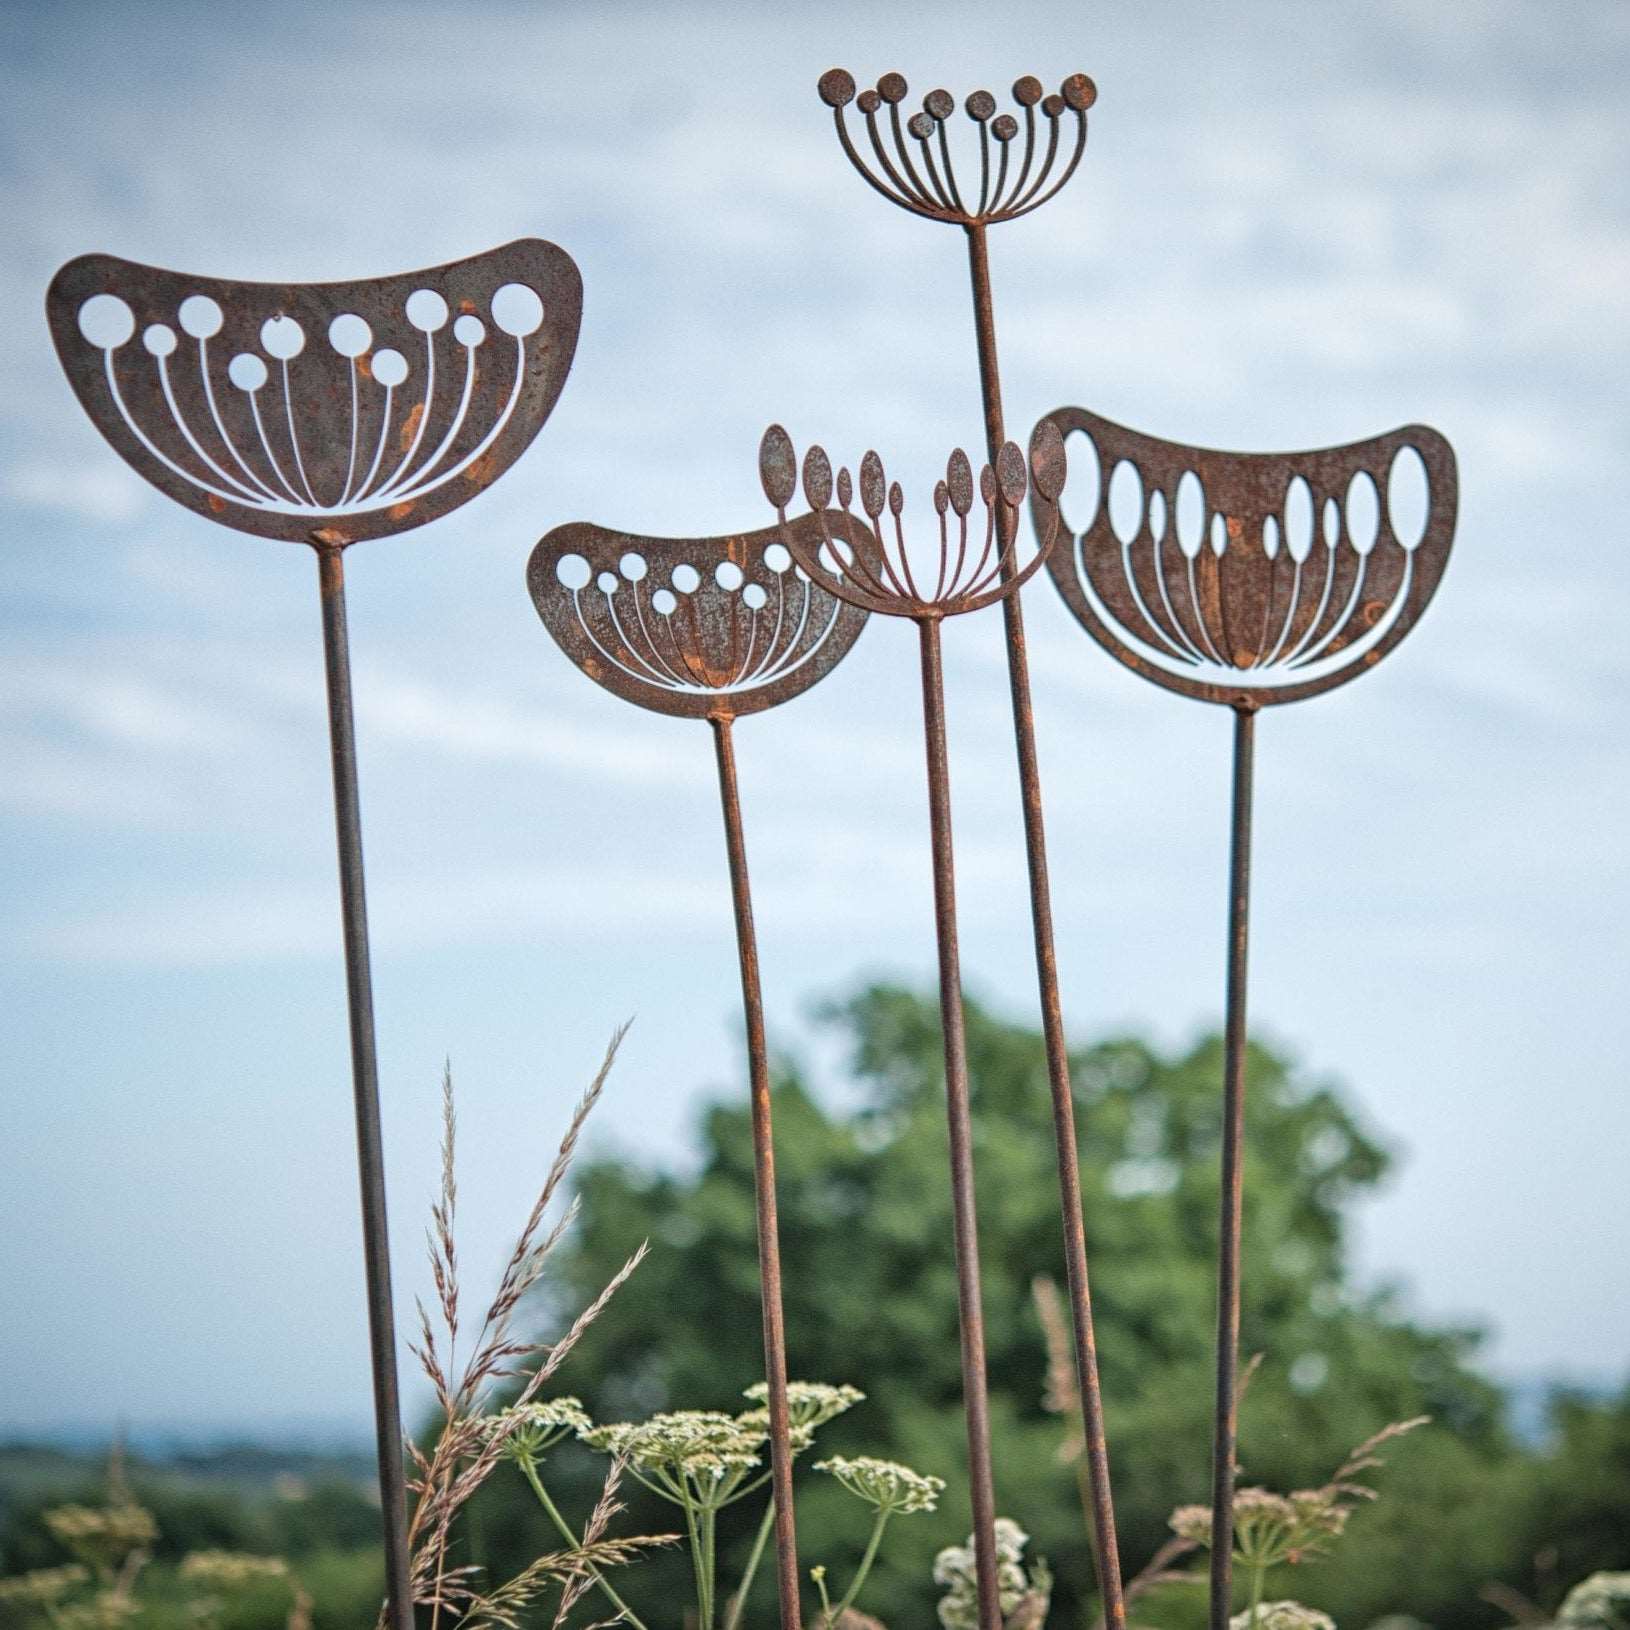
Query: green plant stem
pixel 733 1618
pixel 883 1515
pixel 698 1566
pixel 571 1539
pixel 710 1518
pixel 1257 1577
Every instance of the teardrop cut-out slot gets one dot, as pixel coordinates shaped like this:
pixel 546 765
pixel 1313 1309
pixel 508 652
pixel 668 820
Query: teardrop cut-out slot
pixel 1363 512
pixel 1126 501
pixel 1191 514
pixel 1157 514
pixel 1219 534
pixel 1409 494
pixel 1270 536
pixel 1299 519
pixel 1083 485
pixel 1332 523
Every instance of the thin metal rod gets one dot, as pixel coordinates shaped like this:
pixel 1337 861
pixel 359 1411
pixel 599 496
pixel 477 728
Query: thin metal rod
pixel 1225 1434
pixel 365 1085
pixel 1106 1546
pixel 769 1244
pixel 976 1404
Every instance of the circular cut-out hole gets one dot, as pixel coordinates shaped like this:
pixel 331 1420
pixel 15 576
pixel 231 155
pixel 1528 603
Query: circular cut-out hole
pixel 632 566
pixel 777 558
pixel 1126 501
pixel 106 321
pixel 608 582
pixel 389 367
pixel 1083 485
pixel 159 339
pixel 572 572
pixel 426 310
pixel 1409 496
pixel 664 601
pixel 1219 533
pixel 349 334
pixel 1299 519
pixel 517 309
pixel 1157 514
pixel 1270 536
pixel 1332 523
pixel 200 316
pixel 470 331
pixel 1190 514
pixel 282 337
pixel 754 596
pixel 727 574
pixel 1363 512
pixel 686 578
pixel 246 371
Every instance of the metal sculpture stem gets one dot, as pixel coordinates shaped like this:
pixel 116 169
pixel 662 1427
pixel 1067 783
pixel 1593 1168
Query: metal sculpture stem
pixel 365 1084
pixel 976 1404
pixel 1226 1430
pixel 769 1247
pixel 1106 1547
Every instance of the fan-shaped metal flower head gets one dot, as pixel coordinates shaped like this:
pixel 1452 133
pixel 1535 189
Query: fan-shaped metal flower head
pixel 852 557
pixel 700 627
pixel 1253 578
pixel 1016 174
pixel 352 409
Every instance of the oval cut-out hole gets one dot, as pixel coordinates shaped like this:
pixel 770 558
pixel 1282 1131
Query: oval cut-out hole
pixel 1083 485
pixel 469 331
pixel 517 309
pixel 1126 501
pixel 1157 514
pixel 686 578
pixel 282 338
pixel 632 566
pixel 1270 537
pixel 1299 519
pixel 1363 512
pixel 1190 514
pixel 727 574
pixel 664 601
pixel 1332 523
pixel 1219 533
pixel 349 334
pixel 106 321
pixel 246 371
pixel 754 596
pixel 200 316
pixel 608 582
pixel 1408 497
pixel 572 572
pixel 777 558
pixel 426 310
pixel 160 340
pixel 389 367
pixel 836 556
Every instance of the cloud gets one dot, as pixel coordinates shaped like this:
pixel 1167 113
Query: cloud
pixel 99 489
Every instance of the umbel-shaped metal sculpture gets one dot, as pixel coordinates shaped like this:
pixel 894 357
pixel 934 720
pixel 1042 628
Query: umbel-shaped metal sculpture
pixel 1024 159
pixel 324 414
pixel 712 628
pixel 855 560
pixel 1248 579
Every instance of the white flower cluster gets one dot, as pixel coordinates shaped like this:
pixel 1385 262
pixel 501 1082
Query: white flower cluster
pixel 1601 1602
pixel 885 1484
pixel 701 1444
pixel 1282 1616
pixel 956 1571
pixel 809 1403
pixel 526 1430
pixel 230 1570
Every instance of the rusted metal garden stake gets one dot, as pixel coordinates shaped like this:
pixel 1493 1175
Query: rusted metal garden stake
pixel 852 560
pixel 1248 579
pixel 1013 191
pixel 324 414
pixel 711 628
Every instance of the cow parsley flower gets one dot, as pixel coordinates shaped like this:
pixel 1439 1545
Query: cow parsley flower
pixel 1281 1616
pixel 886 1484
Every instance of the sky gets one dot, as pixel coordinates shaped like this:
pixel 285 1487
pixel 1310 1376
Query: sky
pixel 1296 225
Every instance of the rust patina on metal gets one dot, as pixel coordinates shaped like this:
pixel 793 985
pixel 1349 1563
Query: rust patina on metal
pixel 854 558
pixel 326 413
pixel 712 628
pixel 359 409
pixel 1016 176
pixel 1248 579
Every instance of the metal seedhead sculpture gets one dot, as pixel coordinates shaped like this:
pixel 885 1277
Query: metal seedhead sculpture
pixel 1020 168
pixel 1248 579
pixel 712 628
pixel 326 413
pixel 865 561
